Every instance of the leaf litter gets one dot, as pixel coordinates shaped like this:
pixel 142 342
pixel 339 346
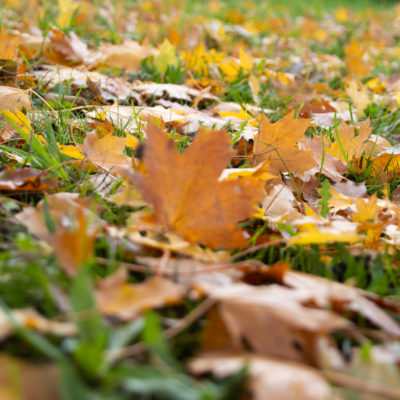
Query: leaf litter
pixel 162 186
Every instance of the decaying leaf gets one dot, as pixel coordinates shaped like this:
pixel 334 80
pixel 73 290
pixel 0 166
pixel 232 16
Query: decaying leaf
pixel 25 180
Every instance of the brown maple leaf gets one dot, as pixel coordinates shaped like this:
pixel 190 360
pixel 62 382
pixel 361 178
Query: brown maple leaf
pixel 278 143
pixel 187 194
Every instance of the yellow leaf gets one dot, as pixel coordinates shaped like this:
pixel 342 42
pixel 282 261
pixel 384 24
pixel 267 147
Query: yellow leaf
pixel 132 141
pixel 165 57
pixel 66 9
pixel 8 45
pixel 230 68
pixel 359 96
pixel 322 237
pixel 355 62
pixel 71 151
pixel 255 88
pixel 342 14
pixel 246 61
pixel 20 119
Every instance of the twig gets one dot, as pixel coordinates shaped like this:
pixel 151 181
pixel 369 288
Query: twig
pixel 130 266
pixel 164 261
pixel 256 248
pixel 363 386
pixel 174 330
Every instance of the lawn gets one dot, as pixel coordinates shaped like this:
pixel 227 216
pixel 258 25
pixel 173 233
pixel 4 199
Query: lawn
pixel 199 200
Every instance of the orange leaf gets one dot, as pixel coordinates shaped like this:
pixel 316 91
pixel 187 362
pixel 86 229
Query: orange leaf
pixel 8 45
pixel 106 152
pixel 277 143
pixel 187 194
pixel 118 298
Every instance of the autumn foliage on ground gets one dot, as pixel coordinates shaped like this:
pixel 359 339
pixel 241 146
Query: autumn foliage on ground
pixel 199 201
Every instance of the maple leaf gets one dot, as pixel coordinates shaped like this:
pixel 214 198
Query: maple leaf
pixel 359 96
pixel 118 298
pixel 367 215
pixel 106 152
pixel 277 143
pixel 127 55
pixel 67 48
pixel 347 146
pixel 354 59
pixel 165 57
pixel 8 45
pixel 188 196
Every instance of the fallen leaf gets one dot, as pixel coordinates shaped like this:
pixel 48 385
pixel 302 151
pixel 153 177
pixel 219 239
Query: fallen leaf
pixel 68 49
pixel 25 180
pixel 22 380
pixel 75 228
pixel 153 91
pixel 188 196
pixel 278 143
pixel 359 96
pixel 348 146
pixel 106 152
pixel 350 188
pixel 292 327
pixel 323 236
pixel 126 301
pixel 279 380
pixel 330 166
pixel 12 98
pixel 105 88
pixel 30 319
pixel 127 55
pixel 8 45
pixel 356 64
pixel 166 56
pixel 343 298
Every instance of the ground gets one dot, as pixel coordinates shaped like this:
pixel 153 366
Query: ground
pixel 199 200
